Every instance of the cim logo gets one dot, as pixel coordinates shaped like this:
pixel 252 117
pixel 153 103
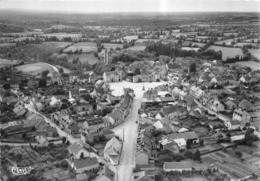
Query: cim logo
pixel 21 170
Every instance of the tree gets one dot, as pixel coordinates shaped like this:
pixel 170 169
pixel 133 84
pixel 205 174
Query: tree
pixel 24 135
pixel 249 136
pixel 201 142
pixel 94 106
pixel 188 145
pixel 238 154
pixel 42 83
pixel 82 155
pixel 137 71
pixel 64 164
pixel 196 156
pixel 61 70
pixel 159 177
pixel 64 139
pixel 188 154
pixel 6 86
pixel 45 73
pixel 193 67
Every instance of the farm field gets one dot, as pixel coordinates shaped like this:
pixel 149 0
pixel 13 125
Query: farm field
pixel 255 53
pixel 190 49
pixel 60 27
pixel 228 34
pixel 141 41
pixel 7 44
pixel 34 68
pixel 6 62
pixel 137 48
pixel 60 36
pixel 241 44
pixel 197 44
pixel 250 40
pixel 85 46
pixel 23 39
pixel 23 34
pixel 227 52
pixel 228 41
pixel 251 64
pixel 84 58
pixel 5 39
pixel 112 45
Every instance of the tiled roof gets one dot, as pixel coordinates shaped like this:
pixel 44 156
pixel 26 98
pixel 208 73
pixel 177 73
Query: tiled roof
pixel 95 121
pixel 82 163
pixel 75 148
pixel 186 135
pixel 244 104
pixel 177 165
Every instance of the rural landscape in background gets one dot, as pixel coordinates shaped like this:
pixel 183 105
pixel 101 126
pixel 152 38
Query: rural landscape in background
pixel 129 96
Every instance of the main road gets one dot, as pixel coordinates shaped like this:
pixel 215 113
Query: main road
pixel 129 128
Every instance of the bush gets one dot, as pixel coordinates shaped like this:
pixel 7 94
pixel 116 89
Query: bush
pixel 64 164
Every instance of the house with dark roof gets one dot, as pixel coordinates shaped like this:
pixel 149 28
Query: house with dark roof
pixel 108 133
pixel 246 105
pixel 112 151
pixel 115 117
pixel 94 125
pixel 86 164
pixel 107 175
pixel 174 112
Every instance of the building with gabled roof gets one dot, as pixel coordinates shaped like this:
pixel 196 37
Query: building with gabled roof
pixel 112 151
pixel 86 164
pixel 77 149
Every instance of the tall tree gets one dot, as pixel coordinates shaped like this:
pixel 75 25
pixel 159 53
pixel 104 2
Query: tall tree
pixel 196 156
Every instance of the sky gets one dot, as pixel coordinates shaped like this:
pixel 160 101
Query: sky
pixel 104 6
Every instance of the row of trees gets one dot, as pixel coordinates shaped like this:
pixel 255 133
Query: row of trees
pixel 174 51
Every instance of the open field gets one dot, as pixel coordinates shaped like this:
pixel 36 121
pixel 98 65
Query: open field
pixel 5 39
pixel 34 68
pixel 112 45
pixel 83 58
pixel 227 52
pixel 60 36
pixel 228 34
pixel 23 39
pixel 23 34
pixel 250 40
pixel 7 44
pixel 241 44
pixel 137 48
pixel 60 27
pixel 38 52
pixel 5 62
pixel 190 49
pixel 85 46
pixel 228 41
pixel 250 64
pixel 255 53
pixel 197 44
